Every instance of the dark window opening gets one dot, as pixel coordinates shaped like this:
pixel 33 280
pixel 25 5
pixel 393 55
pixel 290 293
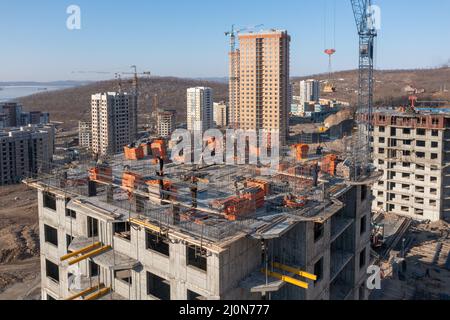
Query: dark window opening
pixel 318 231
pixel 158 287
pixel 362 259
pixel 49 297
pixel 49 201
pixel 52 271
pixel 70 213
pixel 196 258
pixel 363 225
pixel 122 230
pixel 363 193
pixel 92 226
pixel 124 275
pixel 94 269
pixel 318 270
pixel 420 143
pixel 51 235
pixel 191 295
pixel 156 243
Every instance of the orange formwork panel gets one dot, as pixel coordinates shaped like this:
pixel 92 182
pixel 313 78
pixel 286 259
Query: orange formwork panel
pixel 158 148
pixel 130 180
pixel 329 164
pixel 101 174
pixel 301 151
pixel 134 153
pixel 264 185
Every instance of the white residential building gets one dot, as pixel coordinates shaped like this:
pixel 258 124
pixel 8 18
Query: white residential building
pixel 199 109
pixel 220 114
pixel 166 123
pixel 309 91
pixel 113 122
pixel 85 134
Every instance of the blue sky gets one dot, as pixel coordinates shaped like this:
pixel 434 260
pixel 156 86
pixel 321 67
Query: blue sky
pixel 186 37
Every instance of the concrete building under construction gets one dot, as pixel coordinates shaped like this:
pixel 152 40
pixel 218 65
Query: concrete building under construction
pixel 412 150
pixel 149 230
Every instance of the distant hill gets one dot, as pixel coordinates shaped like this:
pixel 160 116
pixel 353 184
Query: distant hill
pixel 71 105
pixel 390 85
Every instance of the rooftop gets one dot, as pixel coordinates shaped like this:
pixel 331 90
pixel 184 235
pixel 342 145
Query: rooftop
pixel 231 201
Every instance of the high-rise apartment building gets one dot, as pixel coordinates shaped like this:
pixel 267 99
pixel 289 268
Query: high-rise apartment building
pixel 199 109
pixel 412 150
pixel 114 122
pixel 165 123
pixel 25 151
pixel 309 91
pixel 220 114
pixel 85 134
pixel 259 82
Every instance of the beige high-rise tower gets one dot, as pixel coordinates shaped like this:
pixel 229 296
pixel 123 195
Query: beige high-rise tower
pixel 259 82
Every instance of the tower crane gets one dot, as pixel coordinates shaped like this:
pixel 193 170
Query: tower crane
pixel 362 10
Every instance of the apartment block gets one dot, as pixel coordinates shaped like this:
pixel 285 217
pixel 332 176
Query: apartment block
pixel 166 123
pixel 24 152
pixel 220 114
pixel 413 152
pixel 85 134
pixel 199 109
pixel 113 122
pixel 12 115
pixel 259 82
pixel 237 235
pixel 309 91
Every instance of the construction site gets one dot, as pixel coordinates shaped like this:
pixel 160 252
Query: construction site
pixel 141 226
pixel 136 226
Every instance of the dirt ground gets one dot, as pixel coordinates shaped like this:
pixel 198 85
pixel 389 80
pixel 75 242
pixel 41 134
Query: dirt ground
pixel 19 244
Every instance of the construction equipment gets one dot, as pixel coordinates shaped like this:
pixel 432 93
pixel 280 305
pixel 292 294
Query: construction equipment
pixel 329 86
pixel 90 254
pixel 367 32
pixel 286 279
pixel 86 292
pixel 81 251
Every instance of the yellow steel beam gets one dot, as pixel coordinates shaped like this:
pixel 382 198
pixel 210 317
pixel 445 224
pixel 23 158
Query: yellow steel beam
pixel 98 294
pixel 287 279
pixel 83 250
pixel 146 225
pixel 90 254
pixel 295 271
pixel 85 292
